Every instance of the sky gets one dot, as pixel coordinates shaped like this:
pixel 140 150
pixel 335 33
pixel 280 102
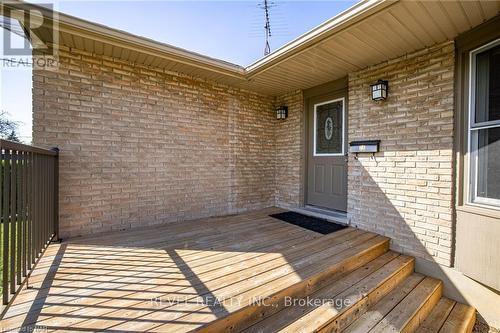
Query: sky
pixel 227 30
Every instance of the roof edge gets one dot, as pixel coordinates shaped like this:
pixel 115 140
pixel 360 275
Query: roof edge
pixel 103 33
pixel 91 29
pixel 345 19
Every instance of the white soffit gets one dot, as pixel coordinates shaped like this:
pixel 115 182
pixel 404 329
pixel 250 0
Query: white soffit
pixel 398 28
pixel 368 33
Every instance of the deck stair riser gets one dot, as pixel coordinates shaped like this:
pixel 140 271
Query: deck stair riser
pixel 413 309
pixel 267 277
pixel 415 305
pixel 449 316
pixel 384 295
pixel 378 311
pixel 320 272
pixel 352 294
pixel 265 271
pixel 370 291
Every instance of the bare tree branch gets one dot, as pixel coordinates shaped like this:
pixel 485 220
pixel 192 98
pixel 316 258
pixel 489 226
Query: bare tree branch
pixel 8 127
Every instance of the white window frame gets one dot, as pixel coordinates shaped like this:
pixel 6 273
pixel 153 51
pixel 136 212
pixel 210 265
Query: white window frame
pixel 473 129
pixel 343 127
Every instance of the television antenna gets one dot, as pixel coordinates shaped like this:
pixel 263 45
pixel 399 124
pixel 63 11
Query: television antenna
pixel 266 5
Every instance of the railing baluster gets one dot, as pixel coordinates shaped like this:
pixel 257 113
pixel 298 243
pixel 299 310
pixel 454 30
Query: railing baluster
pixel 13 190
pixel 29 210
pixel 42 201
pixel 25 215
pixel 32 210
pixel 55 174
pixel 39 214
pixel 2 167
pixel 19 216
pixel 36 220
pixel 51 196
pixel 5 223
pixel 47 199
pixel 45 202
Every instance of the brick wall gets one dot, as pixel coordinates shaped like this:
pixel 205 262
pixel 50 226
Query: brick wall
pixel 290 152
pixel 141 146
pixel 406 191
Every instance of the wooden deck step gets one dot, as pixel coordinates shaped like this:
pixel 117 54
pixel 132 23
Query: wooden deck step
pixel 171 279
pixel 382 308
pixel 413 309
pixel 339 303
pixel 438 316
pixel 449 316
pixel 271 276
pixel 319 270
pixel 403 309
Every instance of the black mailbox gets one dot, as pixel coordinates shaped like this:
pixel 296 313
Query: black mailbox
pixel 367 146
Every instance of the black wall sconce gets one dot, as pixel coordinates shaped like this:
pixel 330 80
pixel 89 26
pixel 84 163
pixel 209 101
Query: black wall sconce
pixel 282 112
pixel 379 90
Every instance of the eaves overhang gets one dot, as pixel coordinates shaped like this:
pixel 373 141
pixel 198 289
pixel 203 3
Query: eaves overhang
pixel 370 32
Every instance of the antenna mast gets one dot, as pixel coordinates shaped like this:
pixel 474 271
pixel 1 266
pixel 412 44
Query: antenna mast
pixel 267 27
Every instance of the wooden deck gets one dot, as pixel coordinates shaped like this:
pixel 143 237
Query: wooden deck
pixel 226 274
pixel 167 278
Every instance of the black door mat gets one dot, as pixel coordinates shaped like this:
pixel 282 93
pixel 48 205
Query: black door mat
pixel 308 222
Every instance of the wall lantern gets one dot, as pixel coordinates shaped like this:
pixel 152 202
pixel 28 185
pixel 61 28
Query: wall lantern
pixel 282 112
pixel 379 90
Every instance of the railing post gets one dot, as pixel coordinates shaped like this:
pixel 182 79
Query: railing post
pixel 55 195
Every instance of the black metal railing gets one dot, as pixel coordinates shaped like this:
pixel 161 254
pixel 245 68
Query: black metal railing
pixel 29 210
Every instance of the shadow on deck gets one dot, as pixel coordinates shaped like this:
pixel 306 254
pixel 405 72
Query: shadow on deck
pixel 175 277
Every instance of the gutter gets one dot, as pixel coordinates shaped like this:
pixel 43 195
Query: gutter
pixel 107 35
pixel 100 32
pixel 116 37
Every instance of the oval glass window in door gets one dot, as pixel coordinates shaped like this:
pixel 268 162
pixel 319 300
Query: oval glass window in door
pixel 328 128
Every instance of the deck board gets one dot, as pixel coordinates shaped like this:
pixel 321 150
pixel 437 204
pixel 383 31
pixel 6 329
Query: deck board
pixel 437 317
pixel 166 277
pixel 291 314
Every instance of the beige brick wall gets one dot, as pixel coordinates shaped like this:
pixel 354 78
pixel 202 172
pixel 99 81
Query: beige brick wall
pixel 141 146
pixel 406 191
pixel 290 152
